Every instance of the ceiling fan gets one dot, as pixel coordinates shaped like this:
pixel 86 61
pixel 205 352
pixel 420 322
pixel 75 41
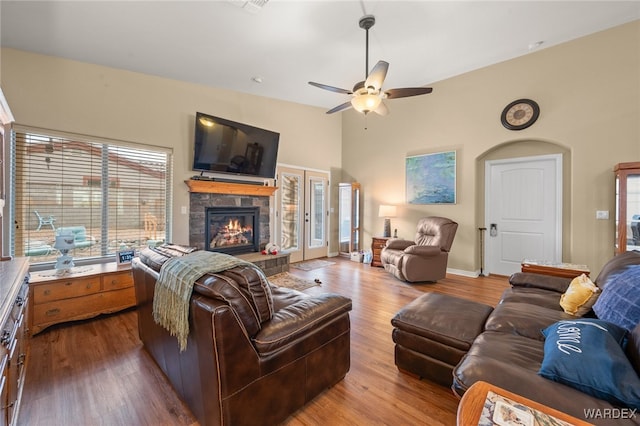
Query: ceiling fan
pixel 368 94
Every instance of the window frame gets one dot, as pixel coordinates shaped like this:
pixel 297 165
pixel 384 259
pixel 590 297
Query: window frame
pixel 105 255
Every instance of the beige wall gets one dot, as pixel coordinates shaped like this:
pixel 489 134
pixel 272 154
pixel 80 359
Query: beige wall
pixel 588 91
pixel 589 94
pixel 59 94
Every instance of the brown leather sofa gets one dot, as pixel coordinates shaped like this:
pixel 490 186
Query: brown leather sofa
pixel 236 370
pixel 439 336
pixel 424 258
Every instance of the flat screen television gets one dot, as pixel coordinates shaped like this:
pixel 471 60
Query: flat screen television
pixel 224 146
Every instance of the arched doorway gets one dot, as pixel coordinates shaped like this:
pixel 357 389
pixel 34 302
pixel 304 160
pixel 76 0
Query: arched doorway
pixel 523 188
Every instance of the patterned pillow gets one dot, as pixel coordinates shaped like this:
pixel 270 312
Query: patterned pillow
pixel 619 302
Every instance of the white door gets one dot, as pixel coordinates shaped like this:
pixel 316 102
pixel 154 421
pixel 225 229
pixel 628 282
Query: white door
pixel 302 213
pixel 523 212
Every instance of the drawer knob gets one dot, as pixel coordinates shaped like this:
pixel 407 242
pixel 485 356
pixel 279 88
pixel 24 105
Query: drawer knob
pixel 68 283
pixel 47 292
pixel 88 285
pixel 52 312
pixel 114 282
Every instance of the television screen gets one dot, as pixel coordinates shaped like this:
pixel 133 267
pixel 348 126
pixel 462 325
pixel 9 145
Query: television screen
pixel 224 146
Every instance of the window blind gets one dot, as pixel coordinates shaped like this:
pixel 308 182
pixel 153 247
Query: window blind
pixel 108 195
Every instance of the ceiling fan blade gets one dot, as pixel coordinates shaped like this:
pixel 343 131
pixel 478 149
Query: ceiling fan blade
pixel 377 75
pixel 382 109
pixel 340 107
pixel 406 92
pixel 331 88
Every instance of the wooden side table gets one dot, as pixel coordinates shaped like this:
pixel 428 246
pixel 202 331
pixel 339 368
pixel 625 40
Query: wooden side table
pixel 472 403
pixel 565 270
pixel 377 244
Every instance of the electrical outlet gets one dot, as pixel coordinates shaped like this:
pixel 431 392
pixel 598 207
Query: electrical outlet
pixel 602 214
pixel 183 209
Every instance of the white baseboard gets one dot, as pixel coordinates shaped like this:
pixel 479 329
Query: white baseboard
pixel 470 274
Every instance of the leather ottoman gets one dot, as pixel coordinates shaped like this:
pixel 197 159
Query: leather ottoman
pixel 434 332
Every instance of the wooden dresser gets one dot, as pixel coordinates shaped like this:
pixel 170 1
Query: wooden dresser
pixel 377 244
pixel 85 292
pixel 14 341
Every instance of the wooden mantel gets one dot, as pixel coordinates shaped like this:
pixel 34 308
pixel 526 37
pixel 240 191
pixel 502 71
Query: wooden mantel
pixel 213 187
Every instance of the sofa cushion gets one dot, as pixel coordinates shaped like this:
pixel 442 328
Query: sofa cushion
pixel 298 321
pixel 245 290
pixel 545 282
pixel 523 319
pixel 580 296
pixel 512 363
pixel 587 355
pixel 155 257
pixel 619 302
pixel 545 298
pixel 616 265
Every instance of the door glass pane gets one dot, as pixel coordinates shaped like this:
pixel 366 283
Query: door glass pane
pixel 344 217
pixel 290 208
pixel 356 220
pixel 317 214
pixel 633 212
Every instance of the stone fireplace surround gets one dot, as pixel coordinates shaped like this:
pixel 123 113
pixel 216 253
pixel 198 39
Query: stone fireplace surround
pixel 198 203
pixel 205 194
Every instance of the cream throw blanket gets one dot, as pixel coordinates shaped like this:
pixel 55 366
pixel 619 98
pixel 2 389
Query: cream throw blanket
pixel 175 284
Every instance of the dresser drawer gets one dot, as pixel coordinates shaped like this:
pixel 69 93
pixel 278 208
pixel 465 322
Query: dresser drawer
pixel 117 281
pixel 379 245
pixel 82 307
pixel 59 290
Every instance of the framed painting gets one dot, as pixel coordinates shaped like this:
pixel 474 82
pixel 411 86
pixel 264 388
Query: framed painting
pixel 431 178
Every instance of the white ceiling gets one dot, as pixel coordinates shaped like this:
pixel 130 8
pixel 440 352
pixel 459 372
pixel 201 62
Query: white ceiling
pixel 288 43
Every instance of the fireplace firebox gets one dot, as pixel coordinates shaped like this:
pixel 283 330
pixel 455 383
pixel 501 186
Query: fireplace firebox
pixel 232 230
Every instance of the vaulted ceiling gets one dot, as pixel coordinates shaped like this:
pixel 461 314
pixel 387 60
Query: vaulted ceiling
pixel 274 50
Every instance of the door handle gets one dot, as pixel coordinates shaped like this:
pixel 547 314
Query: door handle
pixel 493 229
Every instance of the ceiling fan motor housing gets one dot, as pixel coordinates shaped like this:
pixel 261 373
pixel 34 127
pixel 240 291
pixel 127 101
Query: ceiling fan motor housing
pixel 367 21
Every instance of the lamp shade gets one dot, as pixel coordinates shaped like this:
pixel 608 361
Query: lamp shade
pixel 365 103
pixel 387 211
pixel 64 242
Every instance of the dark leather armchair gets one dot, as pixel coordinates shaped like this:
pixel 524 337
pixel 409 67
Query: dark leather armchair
pixel 425 258
pixel 254 355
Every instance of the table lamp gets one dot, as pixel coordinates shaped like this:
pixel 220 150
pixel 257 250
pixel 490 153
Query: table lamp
pixel 387 212
pixel 64 243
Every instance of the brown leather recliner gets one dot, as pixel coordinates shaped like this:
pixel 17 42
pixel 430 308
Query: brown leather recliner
pixel 251 359
pixel 425 258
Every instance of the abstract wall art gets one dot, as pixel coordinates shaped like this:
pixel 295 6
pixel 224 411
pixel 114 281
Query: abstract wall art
pixel 431 178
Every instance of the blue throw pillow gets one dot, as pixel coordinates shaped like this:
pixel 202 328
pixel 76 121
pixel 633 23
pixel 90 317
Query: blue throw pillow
pixel 587 355
pixel 619 302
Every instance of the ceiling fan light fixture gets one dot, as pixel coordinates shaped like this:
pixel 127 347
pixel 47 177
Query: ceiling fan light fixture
pixel 365 103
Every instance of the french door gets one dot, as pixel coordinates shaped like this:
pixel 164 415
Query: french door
pixel 302 203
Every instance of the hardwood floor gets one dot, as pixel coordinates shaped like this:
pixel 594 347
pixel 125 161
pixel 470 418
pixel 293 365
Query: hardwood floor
pixel 95 372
